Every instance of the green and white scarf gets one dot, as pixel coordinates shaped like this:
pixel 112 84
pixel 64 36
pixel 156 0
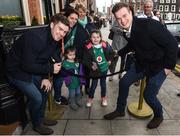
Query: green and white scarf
pixel 83 22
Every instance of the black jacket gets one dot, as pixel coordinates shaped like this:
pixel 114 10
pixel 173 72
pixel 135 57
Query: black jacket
pixel 31 55
pixel 155 48
pixel 82 36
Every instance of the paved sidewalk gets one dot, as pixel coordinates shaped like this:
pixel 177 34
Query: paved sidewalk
pixel 89 121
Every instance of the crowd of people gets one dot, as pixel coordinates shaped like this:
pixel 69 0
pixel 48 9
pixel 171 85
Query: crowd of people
pixel 71 51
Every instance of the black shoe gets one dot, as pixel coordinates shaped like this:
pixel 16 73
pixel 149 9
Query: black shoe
pixel 49 122
pixel 64 100
pixel 114 114
pixel 61 101
pixel 42 130
pixel 178 94
pixel 155 122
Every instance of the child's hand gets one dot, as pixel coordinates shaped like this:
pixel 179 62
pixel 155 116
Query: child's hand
pixel 109 62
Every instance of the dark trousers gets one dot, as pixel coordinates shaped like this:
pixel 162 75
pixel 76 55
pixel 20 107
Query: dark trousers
pixel 94 85
pixel 36 97
pixel 152 88
pixel 57 85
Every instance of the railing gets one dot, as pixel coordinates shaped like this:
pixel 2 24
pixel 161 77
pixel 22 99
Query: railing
pixel 9 36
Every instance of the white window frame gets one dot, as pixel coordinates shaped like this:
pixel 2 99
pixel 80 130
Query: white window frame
pixel 173 1
pixel 167 1
pixel 173 16
pixel 166 16
pixel 161 1
pixel 161 8
pixel 166 8
pixel 178 16
pixel 173 8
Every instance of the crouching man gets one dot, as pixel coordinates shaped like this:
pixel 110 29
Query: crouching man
pixel 28 65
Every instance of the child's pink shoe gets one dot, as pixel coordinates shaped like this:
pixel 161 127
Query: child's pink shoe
pixel 104 101
pixel 89 102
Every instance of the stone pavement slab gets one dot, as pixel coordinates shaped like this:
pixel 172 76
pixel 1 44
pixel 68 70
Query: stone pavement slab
pixel 88 127
pixel 131 127
pixel 58 129
pixel 169 127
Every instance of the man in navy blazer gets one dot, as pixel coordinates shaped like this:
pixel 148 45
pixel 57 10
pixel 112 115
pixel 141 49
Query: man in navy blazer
pixel 155 53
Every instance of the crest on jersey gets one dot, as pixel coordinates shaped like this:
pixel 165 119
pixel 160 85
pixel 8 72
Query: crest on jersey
pixel 99 59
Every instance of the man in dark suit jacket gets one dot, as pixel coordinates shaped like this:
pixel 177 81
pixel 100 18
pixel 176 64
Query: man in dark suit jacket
pixel 28 66
pixel 155 53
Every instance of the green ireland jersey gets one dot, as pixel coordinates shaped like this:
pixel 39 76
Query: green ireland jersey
pixel 75 80
pixel 100 59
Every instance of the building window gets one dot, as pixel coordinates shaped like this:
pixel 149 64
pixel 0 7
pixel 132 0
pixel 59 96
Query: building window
pixel 7 9
pixel 173 1
pixel 165 16
pixel 166 8
pixel 178 16
pixel 160 7
pixel 167 1
pixel 161 1
pixel 173 16
pixel 155 6
pixel 173 8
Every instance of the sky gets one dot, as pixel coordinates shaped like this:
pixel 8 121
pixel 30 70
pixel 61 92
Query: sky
pixel 101 3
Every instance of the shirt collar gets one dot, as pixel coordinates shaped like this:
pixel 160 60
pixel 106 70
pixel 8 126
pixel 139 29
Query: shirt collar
pixel 128 32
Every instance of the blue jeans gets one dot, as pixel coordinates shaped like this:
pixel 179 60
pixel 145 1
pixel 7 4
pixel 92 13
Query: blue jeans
pixel 57 84
pixel 94 85
pixel 36 97
pixel 152 88
pixel 74 93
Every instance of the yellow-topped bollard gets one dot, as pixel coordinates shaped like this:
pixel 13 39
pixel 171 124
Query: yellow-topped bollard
pixel 50 101
pixel 53 110
pixel 140 109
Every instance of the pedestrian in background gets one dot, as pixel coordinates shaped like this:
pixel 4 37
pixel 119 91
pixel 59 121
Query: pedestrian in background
pixel 148 10
pixel 158 15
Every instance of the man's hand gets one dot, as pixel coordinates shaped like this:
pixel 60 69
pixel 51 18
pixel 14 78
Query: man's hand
pixel 46 85
pixel 94 66
pixel 57 68
pixel 167 71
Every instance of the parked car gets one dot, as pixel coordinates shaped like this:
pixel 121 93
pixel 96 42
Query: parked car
pixel 174 28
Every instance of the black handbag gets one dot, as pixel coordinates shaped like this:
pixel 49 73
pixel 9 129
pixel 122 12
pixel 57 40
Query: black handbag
pixel 130 59
pixel 111 35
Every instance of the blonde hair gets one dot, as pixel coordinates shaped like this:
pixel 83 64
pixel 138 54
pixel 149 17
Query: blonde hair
pixel 80 6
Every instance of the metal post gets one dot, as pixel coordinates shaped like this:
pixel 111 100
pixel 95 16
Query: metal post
pixel 140 109
pixel 142 86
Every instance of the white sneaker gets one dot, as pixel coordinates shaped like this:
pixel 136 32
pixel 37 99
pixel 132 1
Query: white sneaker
pixel 104 102
pixel 89 102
